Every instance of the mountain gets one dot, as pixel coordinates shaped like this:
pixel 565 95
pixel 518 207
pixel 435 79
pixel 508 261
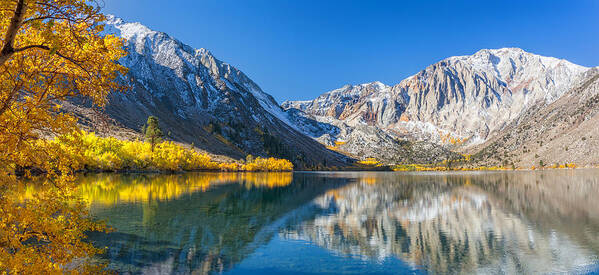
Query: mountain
pixel 467 104
pixel 201 100
pixel 351 120
pixel 562 132
pixel 459 102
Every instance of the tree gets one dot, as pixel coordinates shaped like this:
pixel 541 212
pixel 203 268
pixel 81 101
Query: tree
pixel 152 131
pixel 50 50
pixel 273 145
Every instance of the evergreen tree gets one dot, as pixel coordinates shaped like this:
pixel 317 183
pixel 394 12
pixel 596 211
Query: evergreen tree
pixel 152 131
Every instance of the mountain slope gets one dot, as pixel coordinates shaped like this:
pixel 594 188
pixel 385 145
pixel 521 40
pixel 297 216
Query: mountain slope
pixel 473 96
pixel 204 101
pixel 564 131
pixel 458 102
pixel 466 96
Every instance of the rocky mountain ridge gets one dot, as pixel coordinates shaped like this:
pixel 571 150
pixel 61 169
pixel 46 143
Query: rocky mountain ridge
pixel 561 133
pixel 457 103
pixel 203 101
pixel 461 104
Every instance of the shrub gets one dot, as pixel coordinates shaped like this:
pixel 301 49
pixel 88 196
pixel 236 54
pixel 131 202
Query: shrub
pixel 96 153
pixel 267 164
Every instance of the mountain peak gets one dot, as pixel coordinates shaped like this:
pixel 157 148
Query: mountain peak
pixel 376 84
pixel 203 52
pixel 512 55
pixel 120 27
pixel 466 97
pixel 188 88
pixel 502 50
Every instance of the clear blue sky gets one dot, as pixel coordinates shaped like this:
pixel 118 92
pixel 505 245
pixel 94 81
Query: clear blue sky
pixel 300 49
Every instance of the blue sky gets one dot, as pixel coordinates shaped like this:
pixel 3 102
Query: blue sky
pixel 299 49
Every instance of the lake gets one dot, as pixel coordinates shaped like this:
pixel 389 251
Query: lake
pixel 516 222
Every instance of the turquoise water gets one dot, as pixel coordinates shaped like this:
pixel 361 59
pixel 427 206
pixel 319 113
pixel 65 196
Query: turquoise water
pixel 349 222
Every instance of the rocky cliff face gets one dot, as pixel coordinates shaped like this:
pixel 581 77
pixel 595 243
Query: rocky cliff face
pixel 355 120
pixel 463 103
pixel 458 102
pixel 562 132
pixel 202 100
pixel 474 96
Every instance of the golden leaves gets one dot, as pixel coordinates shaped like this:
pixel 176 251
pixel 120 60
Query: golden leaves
pixel 51 50
pixel 90 152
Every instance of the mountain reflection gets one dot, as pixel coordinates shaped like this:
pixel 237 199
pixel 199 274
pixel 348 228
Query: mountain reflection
pixel 193 223
pixel 475 222
pixel 504 222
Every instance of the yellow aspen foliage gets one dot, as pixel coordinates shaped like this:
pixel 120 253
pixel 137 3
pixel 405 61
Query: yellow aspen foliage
pixel 267 164
pixel 229 166
pixel 370 162
pixel 90 152
pixel 50 50
pixel 336 146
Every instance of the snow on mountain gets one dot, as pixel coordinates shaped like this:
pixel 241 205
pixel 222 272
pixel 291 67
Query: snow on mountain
pixel 564 131
pixel 185 61
pixel 459 100
pixel 202 100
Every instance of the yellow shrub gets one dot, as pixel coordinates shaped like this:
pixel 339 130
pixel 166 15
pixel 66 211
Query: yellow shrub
pixel 268 164
pixel 96 153
pixel 336 146
pixel 370 162
pixel 233 166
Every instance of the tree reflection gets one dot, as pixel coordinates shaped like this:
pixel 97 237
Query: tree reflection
pixel 110 189
pixel 488 222
pixel 193 223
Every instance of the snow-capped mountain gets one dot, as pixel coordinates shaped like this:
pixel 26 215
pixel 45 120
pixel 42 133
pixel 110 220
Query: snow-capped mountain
pixel 459 100
pixel 202 100
pixel 462 101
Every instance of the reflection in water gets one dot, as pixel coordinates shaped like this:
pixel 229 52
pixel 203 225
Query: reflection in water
pixel 486 222
pixel 196 229
pixel 110 189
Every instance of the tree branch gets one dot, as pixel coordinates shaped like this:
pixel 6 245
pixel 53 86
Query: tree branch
pixel 8 100
pixel 31 47
pixel 11 33
pixel 43 47
pixel 25 22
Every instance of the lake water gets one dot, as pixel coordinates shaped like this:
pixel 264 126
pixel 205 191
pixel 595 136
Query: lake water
pixel 362 223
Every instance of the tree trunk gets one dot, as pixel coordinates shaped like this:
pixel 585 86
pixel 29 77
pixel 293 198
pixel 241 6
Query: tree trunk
pixel 11 33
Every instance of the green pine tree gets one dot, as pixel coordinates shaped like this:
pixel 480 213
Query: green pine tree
pixel 152 131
